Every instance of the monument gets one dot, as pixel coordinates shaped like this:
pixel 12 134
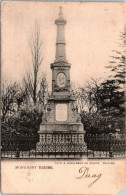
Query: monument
pixel 61 115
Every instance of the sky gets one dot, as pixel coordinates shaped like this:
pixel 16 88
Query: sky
pixel 91 33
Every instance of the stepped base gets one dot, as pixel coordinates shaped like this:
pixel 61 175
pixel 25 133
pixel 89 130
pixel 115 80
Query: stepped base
pixel 53 140
pixel 59 127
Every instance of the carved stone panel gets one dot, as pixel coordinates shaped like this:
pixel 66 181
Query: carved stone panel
pixel 61 112
pixel 73 113
pixel 50 112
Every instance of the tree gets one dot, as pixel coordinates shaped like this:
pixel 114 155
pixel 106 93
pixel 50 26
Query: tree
pixel 12 98
pixel 43 92
pixel 23 105
pixel 31 80
pixel 26 120
pixel 87 96
pixel 118 62
pixel 111 94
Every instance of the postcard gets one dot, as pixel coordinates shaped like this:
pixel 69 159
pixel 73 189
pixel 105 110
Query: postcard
pixel 63 97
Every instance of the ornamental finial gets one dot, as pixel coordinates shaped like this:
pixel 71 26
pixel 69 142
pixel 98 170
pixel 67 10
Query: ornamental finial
pixel 60 12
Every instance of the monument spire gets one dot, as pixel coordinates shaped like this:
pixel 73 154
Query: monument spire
pixel 60 41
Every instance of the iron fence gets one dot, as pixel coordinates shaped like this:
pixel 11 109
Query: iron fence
pixel 64 145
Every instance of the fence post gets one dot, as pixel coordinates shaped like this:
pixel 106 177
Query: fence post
pixel 17 155
pixel 110 146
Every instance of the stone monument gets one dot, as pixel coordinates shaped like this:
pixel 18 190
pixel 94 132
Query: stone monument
pixel 61 115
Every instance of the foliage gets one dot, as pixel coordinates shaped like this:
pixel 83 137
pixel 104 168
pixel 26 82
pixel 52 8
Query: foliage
pixel 96 123
pixel 87 95
pixel 112 94
pixel 26 121
pixel 12 97
pixel 106 100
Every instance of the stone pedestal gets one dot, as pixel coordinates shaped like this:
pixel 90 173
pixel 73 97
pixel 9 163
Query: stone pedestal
pixel 61 132
pixel 61 115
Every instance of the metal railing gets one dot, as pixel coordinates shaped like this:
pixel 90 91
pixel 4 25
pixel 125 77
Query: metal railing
pixel 64 145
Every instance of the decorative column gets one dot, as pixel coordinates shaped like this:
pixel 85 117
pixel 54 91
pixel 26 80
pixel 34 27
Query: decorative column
pixel 60 42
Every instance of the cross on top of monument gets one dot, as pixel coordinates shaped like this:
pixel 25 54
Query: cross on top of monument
pixel 60 19
pixel 60 12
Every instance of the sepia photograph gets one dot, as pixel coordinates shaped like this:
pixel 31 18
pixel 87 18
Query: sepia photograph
pixel 63 97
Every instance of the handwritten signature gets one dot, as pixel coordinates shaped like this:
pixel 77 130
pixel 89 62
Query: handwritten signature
pixel 85 173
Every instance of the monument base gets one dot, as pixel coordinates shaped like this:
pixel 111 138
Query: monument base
pixel 61 131
pixel 62 139
pixel 59 127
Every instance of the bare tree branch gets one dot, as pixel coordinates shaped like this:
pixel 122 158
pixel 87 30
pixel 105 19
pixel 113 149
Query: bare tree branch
pixel 31 80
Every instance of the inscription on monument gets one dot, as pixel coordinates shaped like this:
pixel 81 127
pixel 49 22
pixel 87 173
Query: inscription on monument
pixel 61 112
